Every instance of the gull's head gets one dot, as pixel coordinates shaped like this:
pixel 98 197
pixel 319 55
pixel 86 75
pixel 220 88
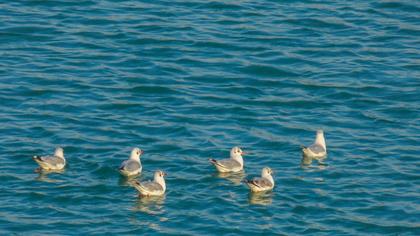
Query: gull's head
pixel 159 174
pixel 320 132
pixel 266 171
pixel 59 152
pixel 135 153
pixel 236 152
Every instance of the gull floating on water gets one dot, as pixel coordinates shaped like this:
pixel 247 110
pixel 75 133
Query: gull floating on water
pixel 234 164
pixel 318 149
pixel 265 183
pixel 132 166
pixel 55 162
pixel 157 187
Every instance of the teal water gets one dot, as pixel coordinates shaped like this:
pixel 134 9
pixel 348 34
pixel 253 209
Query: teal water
pixel 188 80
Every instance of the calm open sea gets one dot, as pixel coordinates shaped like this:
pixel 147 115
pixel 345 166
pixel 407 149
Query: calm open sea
pixel 188 80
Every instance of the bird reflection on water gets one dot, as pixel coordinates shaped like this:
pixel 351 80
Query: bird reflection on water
pixel 153 205
pixel 126 181
pixel 260 198
pixel 43 175
pixel 306 162
pixel 236 178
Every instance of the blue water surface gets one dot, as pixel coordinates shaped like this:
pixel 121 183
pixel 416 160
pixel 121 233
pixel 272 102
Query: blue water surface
pixel 188 80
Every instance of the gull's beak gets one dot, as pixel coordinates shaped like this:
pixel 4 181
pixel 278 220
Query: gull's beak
pixel 141 152
pixel 164 174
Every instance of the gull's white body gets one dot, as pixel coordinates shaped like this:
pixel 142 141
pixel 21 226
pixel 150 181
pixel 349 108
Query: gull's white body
pixel 157 187
pixel 55 162
pixel 132 166
pixel 234 164
pixel 318 149
pixel 265 183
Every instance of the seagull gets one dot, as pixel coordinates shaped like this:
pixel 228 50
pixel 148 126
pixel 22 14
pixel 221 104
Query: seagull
pixel 318 149
pixel 234 164
pixel 55 162
pixel 157 187
pixel 265 183
pixel 132 166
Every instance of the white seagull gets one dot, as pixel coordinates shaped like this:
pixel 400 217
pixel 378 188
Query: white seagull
pixel 55 162
pixel 265 183
pixel 318 149
pixel 157 187
pixel 234 164
pixel 132 166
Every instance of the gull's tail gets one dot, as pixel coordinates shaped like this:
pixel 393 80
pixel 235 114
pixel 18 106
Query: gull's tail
pixel 305 150
pixel 250 182
pixel 137 185
pixel 213 161
pixel 37 158
pixel 247 181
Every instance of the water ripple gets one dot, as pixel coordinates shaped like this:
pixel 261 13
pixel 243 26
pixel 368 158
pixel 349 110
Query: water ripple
pixel 186 81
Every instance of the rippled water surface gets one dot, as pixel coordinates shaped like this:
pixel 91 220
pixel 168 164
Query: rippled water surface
pixel 188 80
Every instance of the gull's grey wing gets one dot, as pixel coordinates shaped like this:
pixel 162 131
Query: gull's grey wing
pixel 261 182
pixel 228 163
pixel 130 165
pixel 151 186
pixel 316 148
pixel 52 160
pixel 122 165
